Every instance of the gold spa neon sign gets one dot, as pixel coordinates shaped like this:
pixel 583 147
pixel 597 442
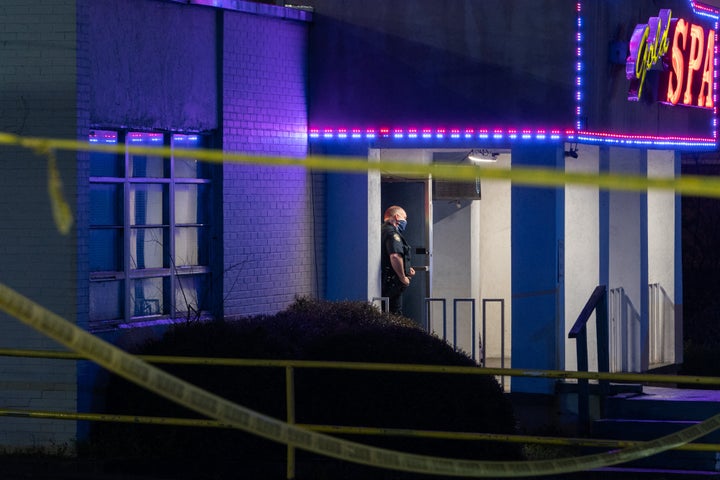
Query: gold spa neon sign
pixel 682 52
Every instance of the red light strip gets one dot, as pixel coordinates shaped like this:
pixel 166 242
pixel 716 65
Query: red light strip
pixel 541 134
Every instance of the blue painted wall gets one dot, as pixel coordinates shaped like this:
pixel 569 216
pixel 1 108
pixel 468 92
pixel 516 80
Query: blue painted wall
pixel 346 242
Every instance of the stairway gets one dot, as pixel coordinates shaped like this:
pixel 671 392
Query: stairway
pixel 659 411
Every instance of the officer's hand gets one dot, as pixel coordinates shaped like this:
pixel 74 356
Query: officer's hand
pixel 405 281
pixel 412 272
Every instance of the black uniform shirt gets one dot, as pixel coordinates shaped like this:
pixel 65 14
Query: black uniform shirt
pixel 394 242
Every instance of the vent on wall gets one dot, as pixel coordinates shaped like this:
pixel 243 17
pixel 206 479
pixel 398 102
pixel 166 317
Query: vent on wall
pixel 454 190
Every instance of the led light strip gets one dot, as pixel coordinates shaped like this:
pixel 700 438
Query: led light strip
pixel 579 68
pixel 512 135
pixel 554 134
pixel 507 134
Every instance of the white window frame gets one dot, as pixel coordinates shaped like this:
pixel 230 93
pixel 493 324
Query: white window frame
pixel 169 272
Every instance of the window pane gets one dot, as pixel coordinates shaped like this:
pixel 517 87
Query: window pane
pixel 105 204
pixel 191 203
pixel 143 193
pixel 151 166
pixel 147 296
pixel 147 248
pixel 188 167
pixel 148 204
pixel 191 295
pixel 105 164
pixel 191 246
pixel 106 300
pixel 106 250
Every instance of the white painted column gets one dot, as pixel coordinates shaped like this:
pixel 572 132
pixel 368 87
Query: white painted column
pixel 582 251
pixel 664 346
pixel 495 279
pixel 628 260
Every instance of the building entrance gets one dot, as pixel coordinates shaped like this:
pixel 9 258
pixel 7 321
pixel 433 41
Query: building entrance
pixel 412 196
pixel 461 250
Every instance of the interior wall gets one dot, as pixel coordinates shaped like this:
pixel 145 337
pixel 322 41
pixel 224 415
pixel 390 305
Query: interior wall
pixel 453 270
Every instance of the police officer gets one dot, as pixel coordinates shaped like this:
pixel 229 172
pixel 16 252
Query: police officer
pixel 396 267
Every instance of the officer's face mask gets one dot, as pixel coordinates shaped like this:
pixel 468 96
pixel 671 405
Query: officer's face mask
pixel 401 225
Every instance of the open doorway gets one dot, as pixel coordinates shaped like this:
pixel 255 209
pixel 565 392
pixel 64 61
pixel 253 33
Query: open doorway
pixel 462 237
pixel 412 196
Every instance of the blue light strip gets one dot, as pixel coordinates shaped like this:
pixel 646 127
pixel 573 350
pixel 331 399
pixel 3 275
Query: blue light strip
pixel 552 135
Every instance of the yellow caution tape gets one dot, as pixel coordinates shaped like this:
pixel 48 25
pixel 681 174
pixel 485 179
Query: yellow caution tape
pixel 61 210
pixel 213 406
pixel 538 177
pixel 522 175
pixel 388 367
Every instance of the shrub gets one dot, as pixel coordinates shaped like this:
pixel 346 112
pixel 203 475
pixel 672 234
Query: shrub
pixel 307 330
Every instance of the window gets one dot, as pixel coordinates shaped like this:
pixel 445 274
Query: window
pixel 149 230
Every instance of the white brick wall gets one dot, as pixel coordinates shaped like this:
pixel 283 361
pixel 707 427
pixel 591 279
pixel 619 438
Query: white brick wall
pixel 270 240
pixel 37 98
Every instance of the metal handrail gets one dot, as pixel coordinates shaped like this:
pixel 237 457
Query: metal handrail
pixel 429 301
pixel 502 332
pixel 630 377
pixel 384 303
pixel 597 303
pixel 472 320
pixel 290 365
pixel 351 430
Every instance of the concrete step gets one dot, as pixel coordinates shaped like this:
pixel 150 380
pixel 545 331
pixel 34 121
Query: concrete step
pixel 629 429
pixel 659 403
pixel 657 412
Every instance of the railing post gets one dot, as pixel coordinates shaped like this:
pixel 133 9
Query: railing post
pixel 483 338
pixel 472 320
pixel 583 387
pixel 597 302
pixel 384 303
pixel 602 330
pixel 290 408
pixel 428 301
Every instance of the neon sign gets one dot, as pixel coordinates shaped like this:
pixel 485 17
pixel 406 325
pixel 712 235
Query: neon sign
pixel 696 86
pixel 687 63
pixel 513 134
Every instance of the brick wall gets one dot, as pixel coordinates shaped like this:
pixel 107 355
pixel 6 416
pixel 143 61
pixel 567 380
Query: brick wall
pixel 271 240
pixel 37 98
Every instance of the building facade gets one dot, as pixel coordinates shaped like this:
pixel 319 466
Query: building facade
pixel 531 83
pixel 153 239
pixel 588 86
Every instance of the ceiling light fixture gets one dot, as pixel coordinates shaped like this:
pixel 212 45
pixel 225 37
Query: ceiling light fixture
pixel 482 156
pixel 573 152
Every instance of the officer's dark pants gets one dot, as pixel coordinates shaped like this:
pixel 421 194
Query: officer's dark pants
pixel 393 289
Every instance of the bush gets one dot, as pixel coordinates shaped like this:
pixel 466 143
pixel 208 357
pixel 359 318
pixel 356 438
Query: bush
pixel 307 330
